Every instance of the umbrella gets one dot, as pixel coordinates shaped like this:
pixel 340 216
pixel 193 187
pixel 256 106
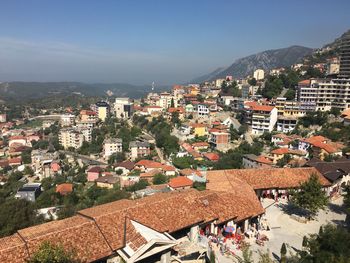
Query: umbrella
pixel 229 229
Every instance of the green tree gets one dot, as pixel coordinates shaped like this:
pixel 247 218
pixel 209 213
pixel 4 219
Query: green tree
pixel 330 245
pixel 252 82
pixel 16 214
pixel 311 196
pixel 53 253
pixel 283 253
pixel 159 179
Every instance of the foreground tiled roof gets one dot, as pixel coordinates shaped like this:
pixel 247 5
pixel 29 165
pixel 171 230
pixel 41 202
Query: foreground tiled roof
pixel 270 178
pixel 97 232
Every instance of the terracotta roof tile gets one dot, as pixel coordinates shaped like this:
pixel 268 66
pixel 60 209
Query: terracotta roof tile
pixel 180 181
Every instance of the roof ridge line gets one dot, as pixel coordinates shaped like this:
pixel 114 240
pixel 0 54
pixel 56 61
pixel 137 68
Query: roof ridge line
pixel 98 227
pixel 25 243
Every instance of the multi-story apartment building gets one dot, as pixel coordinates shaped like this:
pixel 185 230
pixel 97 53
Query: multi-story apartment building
pixel 286 124
pixel 123 108
pixel 344 69
pixel 262 118
pixel 67 120
pixel 165 100
pixel 111 146
pixel 219 139
pixel 102 110
pixel 307 94
pixel 74 137
pixel 324 94
pixel 139 149
pixel 87 115
pixel 259 74
pixel 289 108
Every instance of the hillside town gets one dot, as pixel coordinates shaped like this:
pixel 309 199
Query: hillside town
pixel 204 172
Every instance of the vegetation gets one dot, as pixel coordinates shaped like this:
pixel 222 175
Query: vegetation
pixel 161 130
pixel 16 214
pixel 311 196
pixel 159 179
pixel 330 245
pixel 313 118
pixel 52 253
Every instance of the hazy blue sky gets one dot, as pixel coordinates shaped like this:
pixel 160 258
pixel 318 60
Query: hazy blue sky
pixel 141 41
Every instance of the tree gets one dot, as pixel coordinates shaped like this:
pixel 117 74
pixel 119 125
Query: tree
pixel 311 196
pixel 330 245
pixel 16 214
pixel 53 253
pixel 159 179
pixel 252 82
pixel 347 197
pixel 283 253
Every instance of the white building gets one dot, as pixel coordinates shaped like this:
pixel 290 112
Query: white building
pixel 123 108
pixel 259 74
pixel 74 137
pixel 67 120
pixel 111 146
pixel 3 117
pixel 286 124
pixel 262 118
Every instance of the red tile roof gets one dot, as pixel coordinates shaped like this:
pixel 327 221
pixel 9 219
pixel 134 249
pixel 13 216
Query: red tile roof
pixel 269 178
pixel 95 169
pixel 200 144
pixel 64 189
pixel 304 82
pixel 212 156
pixel 179 182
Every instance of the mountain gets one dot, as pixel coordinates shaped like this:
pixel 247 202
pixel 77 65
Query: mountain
pixel 265 60
pixel 208 76
pixel 24 91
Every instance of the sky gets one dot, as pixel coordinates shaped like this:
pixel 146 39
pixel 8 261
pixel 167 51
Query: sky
pixel 141 41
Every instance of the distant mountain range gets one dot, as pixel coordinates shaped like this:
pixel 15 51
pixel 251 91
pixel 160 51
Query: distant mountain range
pixel 24 91
pixel 266 60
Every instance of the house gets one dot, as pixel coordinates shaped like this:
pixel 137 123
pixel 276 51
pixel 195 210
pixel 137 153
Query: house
pixel 125 166
pixel 147 165
pixel 253 161
pixel 142 229
pixel 107 181
pixel 180 183
pixel 219 139
pixel 29 191
pixel 180 110
pixel 123 108
pixel 197 146
pixel 15 161
pixel 55 168
pixel 148 176
pixel 286 123
pixel 194 175
pixel 64 189
pixel 93 173
pixel 199 129
pixel 139 149
pixel 214 157
pixel 18 140
pixel 112 146
pixel 262 118
pixel 337 172
pixel 232 121
pixel 151 110
pixel 279 153
pixel 321 146
pixel 266 182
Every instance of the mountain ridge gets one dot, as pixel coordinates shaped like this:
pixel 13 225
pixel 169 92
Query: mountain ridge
pixel 266 60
